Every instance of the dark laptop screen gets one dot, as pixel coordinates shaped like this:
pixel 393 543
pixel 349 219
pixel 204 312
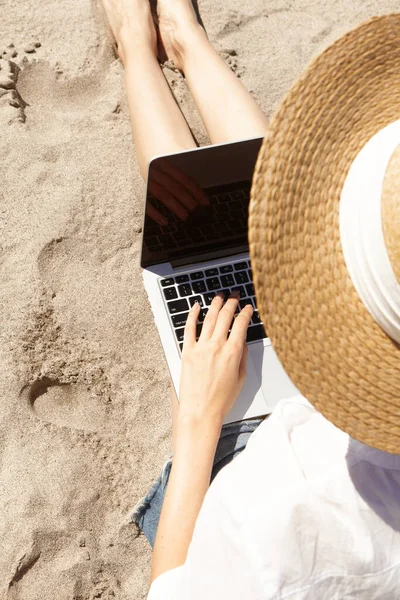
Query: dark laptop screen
pixel 197 203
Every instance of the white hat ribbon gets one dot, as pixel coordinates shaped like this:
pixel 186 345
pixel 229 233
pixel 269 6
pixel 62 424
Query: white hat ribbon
pixel 361 231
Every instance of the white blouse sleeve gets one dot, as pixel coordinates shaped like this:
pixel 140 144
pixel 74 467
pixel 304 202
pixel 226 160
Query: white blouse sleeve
pixel 166 586
pixel 216 565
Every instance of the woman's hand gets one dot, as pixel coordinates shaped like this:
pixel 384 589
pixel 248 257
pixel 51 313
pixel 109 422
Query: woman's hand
pixel 214 368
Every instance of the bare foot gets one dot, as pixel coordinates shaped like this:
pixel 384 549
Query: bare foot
pixel 131 23
pixel 177 21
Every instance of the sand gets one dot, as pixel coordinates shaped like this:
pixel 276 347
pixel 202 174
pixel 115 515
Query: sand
pixel 84 399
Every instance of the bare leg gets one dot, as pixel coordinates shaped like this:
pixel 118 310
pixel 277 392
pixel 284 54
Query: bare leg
pixel 158 125
pixel 228 110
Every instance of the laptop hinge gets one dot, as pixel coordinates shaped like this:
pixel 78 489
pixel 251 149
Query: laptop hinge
pixel 205 256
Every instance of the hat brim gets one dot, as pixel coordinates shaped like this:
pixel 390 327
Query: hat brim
pixel 328 343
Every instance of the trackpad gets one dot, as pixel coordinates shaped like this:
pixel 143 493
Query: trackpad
pixel 250 402
pixel 276 384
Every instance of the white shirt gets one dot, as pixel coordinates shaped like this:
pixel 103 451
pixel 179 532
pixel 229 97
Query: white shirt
pixel 305 512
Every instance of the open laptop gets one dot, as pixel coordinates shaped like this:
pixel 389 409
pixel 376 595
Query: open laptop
pixel 195 245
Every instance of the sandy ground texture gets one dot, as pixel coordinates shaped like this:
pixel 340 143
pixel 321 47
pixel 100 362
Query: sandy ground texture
pixel 84 402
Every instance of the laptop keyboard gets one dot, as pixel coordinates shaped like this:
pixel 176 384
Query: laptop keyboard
pixel 182 291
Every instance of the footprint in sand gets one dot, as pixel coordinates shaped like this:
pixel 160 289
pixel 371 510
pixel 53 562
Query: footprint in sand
pixel 65 404
pixel 54 98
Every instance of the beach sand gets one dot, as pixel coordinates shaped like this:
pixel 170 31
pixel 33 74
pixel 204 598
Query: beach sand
pixel 84 391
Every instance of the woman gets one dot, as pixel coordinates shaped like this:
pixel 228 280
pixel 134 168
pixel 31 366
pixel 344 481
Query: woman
pixel 311 507
pixel 229 113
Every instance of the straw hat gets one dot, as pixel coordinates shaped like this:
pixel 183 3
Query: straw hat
pixel 325 233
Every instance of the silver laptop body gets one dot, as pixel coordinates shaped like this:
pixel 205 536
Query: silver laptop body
pixel 195 245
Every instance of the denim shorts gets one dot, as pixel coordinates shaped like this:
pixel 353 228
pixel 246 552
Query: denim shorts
pixel 232 441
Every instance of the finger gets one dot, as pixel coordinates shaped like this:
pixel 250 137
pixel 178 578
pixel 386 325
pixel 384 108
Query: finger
pixel 239 329
pixel 188 182
pixel 164 196
pixel 225 318
pixel 211 317
pixel 189 335
pixel 154 214
pixel 243 362
pixel 176 189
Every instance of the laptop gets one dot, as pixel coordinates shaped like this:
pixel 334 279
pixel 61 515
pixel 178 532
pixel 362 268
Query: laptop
pixel 194 245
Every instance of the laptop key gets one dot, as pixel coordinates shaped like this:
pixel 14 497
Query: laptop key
pixel 241 277
pixel 226 293
pixel 185 289
pixel 239 289
pixel 194 299
pixel 179 334
pixel 196 275
pixel 250 289
pixel 178 306
pixel 213 283
pixel 179 320
pixel 199 287
pixel 211 272
pixel 208 298
pixel 226 269
pixel 241 266
pixel 181 347
pixel 170 293
pixel 245 302
pixel 167 282
pixel 256 332
pixel 256 317
pixel 182 278
pixel 227 280
pixel 202 314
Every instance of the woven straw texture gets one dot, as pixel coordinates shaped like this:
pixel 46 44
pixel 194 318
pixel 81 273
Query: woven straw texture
pixel 326 340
